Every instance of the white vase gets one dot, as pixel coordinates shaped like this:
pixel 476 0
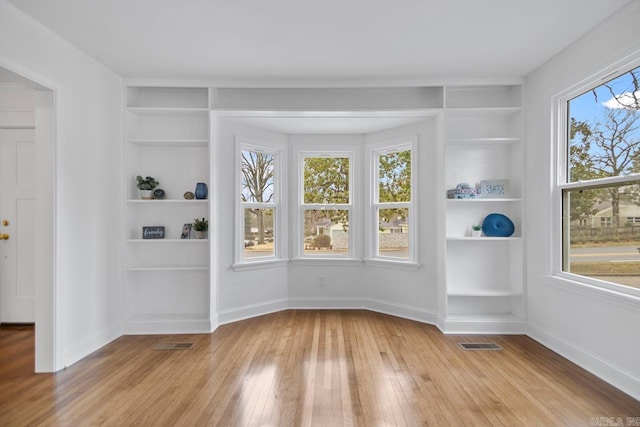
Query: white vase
pixel 146 194
pixel 476 233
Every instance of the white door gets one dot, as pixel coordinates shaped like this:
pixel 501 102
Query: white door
pixel 17 277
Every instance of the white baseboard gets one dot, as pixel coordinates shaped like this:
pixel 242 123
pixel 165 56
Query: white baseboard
pixel 380 306
pixel 399 310
pixel 150 325
pixel 505 325
pixel 252 310
pixel 614 376
pixel 89 345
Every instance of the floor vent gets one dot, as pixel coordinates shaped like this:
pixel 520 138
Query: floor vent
pixel 173 346
pixel 479 346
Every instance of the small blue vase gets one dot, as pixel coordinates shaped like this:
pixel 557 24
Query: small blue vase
pixel 201 190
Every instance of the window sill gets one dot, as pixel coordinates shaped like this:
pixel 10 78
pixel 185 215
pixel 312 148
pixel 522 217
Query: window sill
pixel 326 261
pixel 608 292
pixel 387 263
pixel 257 265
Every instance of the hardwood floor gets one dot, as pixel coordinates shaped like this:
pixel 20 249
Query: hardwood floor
pixel 301 368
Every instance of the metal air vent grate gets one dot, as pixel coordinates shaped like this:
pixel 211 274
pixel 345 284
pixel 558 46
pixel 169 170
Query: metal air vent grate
pixel 173 346
pixel 479 346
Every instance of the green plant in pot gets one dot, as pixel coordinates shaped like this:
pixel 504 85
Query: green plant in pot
pixel 201 226
pixel 146 185
pixel 476 230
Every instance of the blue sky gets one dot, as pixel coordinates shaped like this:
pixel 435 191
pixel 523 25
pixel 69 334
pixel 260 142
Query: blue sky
pixel 586 108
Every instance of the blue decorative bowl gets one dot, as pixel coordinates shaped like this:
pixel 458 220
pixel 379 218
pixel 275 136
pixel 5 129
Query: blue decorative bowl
pixel 497 225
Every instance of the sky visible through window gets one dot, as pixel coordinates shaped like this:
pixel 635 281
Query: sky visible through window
pixel 591 105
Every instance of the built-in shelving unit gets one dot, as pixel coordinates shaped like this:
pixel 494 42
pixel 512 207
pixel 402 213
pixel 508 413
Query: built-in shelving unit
pixel 167 280
pixel 167 136
pixel 484 275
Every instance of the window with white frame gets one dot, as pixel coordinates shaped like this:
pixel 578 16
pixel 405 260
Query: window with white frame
pixel 326 204
pixel 393 205
pixel 600 181
pixel 633 220
pixel 260 236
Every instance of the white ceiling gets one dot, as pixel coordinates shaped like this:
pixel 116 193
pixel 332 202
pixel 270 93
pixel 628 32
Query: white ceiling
pixel 315 42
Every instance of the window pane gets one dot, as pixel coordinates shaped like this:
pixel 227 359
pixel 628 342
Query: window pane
pixel 326 180
pixel 258 233
pixel 604 130
pixel 393 233
pixel 394 177
pixel 600 240
pixel 326 232
pixel 257 177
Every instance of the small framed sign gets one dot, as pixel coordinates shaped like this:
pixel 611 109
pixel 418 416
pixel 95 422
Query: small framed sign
pixel 494 189
pixel 186 231
pixel 153 232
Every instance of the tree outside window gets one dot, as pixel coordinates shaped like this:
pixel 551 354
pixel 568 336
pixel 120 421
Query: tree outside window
pixel 326 204
pixel 258 200
pixel 393 203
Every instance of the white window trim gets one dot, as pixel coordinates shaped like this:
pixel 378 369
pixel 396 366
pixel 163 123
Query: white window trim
pixel 279 205
pixel 354 254
pixel 560 183
pixel 371 220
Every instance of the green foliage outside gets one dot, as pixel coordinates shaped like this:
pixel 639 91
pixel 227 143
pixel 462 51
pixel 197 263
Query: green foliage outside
pixel 322 241
pixel 394 177
pixel 326 180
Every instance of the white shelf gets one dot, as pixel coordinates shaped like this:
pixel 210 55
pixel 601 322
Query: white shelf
pixel 169 142
pixel 482 110
pixel 483 238
pixel 163 317
pixel 162 323
pixel 167 241
pixel 481 141
pixel 481 200
pixel 169 268
pixel 161 202
pixel 498 317
pixel 483 293
pixel 168 111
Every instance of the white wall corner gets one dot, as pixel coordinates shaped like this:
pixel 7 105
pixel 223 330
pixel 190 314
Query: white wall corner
pixel 81 349
pixel 252 310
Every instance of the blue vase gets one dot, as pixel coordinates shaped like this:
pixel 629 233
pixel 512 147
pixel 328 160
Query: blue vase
pixel 201 190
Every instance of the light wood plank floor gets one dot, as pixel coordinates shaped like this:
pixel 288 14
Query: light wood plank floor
pixel 301 368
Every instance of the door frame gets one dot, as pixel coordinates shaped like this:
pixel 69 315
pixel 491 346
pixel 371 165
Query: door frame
pixel 48 331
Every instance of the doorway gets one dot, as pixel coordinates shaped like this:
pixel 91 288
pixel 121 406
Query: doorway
pixel 17 241
pixel 35 212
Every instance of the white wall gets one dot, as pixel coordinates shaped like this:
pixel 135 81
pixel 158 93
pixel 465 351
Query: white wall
pixel 596 329
pixel 241 293
pixel 88 160
pixel 407 293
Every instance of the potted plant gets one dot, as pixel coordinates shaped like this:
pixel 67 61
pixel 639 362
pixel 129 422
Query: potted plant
pixel 201 226
pixel 476 230
pixel 146 186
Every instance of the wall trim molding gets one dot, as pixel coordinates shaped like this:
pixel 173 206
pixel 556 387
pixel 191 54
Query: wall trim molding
pixel 251 310
pixel 624 300
pixel 598 367
pixel 92 343
pixel 321 303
